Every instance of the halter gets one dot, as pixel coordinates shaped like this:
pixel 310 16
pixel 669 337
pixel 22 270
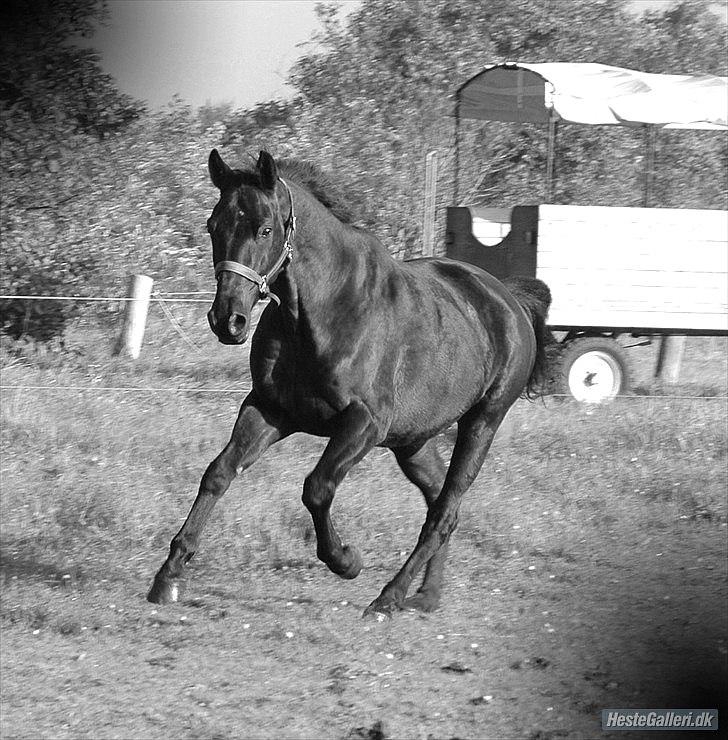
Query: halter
pixel 263 281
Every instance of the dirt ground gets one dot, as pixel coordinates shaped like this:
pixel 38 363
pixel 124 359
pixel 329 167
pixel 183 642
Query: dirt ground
pixel 529 643
pixel 588 571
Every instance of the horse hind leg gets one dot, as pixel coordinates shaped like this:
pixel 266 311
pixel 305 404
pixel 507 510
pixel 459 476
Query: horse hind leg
pixel 476 430
pixel 424 467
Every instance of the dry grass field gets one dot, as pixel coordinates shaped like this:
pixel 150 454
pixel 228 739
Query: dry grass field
pixel 588 570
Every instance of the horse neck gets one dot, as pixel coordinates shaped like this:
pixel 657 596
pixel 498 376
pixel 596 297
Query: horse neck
pixel 328 256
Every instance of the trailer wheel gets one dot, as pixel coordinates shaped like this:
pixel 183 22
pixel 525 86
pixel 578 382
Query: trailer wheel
pixel 593 370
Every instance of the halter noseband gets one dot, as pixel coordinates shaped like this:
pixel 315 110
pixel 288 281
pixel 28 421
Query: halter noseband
pixel 263 281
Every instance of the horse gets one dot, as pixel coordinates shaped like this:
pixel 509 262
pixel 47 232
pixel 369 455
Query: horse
pixel 362 349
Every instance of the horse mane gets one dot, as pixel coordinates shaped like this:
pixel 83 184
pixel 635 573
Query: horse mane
pixel 320 184
pixel 308 175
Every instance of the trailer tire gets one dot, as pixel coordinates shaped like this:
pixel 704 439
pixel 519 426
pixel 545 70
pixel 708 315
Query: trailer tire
pixel 593 370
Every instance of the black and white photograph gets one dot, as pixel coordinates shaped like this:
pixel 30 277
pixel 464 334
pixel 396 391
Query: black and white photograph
pixel 363 369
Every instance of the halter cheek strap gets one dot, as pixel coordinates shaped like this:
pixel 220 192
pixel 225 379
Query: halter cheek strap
pixel 248 273
pixel 286 255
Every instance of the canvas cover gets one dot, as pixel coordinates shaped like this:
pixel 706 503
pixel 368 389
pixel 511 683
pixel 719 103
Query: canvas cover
pixel 594 94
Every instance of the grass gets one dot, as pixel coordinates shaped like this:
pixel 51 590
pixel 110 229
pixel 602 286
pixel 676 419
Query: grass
pixel 88 467
pixel 581 524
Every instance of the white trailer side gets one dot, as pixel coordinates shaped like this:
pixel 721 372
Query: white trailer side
pixel 663 269
pixel 612 271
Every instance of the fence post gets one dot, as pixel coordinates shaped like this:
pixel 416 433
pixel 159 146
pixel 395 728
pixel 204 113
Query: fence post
pixel 135 316
pixel 669 358
pixel 428 226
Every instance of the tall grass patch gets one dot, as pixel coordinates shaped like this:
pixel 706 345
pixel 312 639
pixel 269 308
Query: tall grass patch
pixel 84 468
pixel 101 479
pixel 562 475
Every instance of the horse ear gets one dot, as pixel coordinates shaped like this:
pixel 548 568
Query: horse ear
pixel 268 170
pixel 219 172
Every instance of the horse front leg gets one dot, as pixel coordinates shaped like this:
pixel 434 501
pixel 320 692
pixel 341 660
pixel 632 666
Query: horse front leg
pixel 355 435
pixel 476 430
pixel 253 433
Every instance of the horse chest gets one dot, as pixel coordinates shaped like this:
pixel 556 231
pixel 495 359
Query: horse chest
pixel 308 394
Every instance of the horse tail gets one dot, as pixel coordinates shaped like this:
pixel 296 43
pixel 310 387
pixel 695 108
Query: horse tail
pixel 535 298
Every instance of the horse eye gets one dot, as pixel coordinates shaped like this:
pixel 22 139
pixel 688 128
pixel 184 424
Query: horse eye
pixel 265 232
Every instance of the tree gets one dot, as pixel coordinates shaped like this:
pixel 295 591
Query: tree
pixel 52 84
pixel 57 106
pixel 691 166
pixel 94 187
pixel 375 96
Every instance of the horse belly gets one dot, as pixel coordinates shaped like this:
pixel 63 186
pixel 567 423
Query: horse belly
pixel 433 393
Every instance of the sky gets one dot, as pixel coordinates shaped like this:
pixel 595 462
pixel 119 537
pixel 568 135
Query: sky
pixel 205 51
pixel 214 51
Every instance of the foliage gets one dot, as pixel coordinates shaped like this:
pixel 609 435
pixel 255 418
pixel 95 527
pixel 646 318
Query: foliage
pixel 109 207
pixel 57 108
pixel 52 87
pixel 95 187
pixel 382 86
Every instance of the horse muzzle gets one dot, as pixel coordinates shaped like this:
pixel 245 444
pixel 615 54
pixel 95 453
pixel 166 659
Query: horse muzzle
pixel 230 330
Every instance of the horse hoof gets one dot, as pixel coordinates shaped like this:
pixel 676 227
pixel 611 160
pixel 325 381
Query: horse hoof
pixel 421 602
pixel 164 592
pixel 380 609
pixel 350 564
pixel 375 616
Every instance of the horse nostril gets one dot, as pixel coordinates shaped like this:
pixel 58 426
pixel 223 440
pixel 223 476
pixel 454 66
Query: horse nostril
pixel 236 324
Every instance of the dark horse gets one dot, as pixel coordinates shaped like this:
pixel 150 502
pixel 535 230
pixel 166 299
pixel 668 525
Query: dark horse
pixel 362 349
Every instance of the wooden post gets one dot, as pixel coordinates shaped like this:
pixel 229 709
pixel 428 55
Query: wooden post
pixel 135 316
pixel 649 175
pixel 550 157
pixel 669 358
pixel 456 173
pixel 428 226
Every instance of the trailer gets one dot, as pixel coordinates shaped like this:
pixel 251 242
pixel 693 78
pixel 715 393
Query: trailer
pixel 613 271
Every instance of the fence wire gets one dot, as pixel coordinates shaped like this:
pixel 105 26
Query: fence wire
pixel 181 297
pixel 157 389
pixel 109 299
pixel 120 388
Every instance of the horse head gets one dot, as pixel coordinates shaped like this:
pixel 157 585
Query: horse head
pixel 251 228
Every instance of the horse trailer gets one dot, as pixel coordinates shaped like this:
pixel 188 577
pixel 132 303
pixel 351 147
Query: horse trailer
pixel 613 271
